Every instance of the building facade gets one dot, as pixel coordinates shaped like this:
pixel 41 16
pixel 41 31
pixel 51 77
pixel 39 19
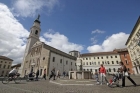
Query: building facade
pixel 133 46
pixel 40 56
pixel 125 58
pixel 5 65
pixel 92 61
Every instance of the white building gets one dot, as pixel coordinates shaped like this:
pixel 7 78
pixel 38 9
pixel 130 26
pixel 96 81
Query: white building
pixel 92 61
pixel 133 46
pixel 40 56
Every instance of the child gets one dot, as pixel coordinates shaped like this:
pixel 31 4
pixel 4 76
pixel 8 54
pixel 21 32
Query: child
pixel 114 80
pixel 97 77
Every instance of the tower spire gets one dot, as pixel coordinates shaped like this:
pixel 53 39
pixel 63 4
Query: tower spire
pixel 37 19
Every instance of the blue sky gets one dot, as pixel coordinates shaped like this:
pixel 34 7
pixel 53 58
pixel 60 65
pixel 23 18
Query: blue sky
pixel 87 25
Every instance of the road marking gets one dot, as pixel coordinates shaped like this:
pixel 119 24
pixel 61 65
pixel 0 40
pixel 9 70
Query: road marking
pixel 71 84
pixel 21 89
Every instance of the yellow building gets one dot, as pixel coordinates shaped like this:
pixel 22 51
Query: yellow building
pixel 5 65
pixel 133 45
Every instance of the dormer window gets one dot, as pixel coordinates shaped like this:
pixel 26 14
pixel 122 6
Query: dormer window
pixel 36 32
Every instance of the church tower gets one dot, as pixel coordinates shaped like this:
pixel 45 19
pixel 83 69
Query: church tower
pixel 34 35
pixel 31 40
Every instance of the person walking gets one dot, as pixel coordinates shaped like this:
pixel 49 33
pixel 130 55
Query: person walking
pixel 124 72
pixel 44 76
pixel 96 77
pixel 103 74
pixel 57 74
pixel 37 74
pixel 52 74
pixel 64 74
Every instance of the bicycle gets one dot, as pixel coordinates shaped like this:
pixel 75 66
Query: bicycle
pixel 16 79
pixel 30 77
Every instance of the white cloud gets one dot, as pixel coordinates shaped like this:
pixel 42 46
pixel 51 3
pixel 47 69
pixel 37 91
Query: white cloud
pixel 115 41
pixel 60 41
pixel 12 35
pixel 30 8
pixel 94 40
pixel 97 31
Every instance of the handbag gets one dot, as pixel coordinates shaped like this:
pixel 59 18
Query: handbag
pixel 126 74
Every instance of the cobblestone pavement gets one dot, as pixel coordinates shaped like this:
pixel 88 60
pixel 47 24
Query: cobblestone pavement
pixel 45 86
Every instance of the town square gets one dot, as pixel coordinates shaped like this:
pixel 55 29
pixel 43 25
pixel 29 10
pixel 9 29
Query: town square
pixel 69 46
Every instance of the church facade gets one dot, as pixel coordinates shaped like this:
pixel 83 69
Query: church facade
pixel 39 55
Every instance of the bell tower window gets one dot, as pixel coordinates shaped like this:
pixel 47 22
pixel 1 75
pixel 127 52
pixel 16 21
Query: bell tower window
pixel 36 32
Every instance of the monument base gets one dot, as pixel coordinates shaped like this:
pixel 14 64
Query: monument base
pixel 80 75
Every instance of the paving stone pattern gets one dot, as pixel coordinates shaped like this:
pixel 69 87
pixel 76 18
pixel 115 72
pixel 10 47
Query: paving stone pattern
pixel 44 86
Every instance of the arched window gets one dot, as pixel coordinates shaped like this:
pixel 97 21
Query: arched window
pixel 36 32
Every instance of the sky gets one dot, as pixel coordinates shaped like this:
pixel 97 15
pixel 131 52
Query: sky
pixel 84 25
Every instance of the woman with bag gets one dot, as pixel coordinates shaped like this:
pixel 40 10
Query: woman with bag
pixel 124 71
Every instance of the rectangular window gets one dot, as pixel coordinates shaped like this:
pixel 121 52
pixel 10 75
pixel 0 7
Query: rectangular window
pixel 107 57
pixel 89 58
pixel 8 67
pixel 115 56
pixel 108 62
pixel 98 57
pixel 71 63
pixel 102 57
pixel 102 62
pixel 75 64
pixel 4 66
pixel 117 62
pixel 124 55
pixel 60 60
pixel 98 63
pixel 112 62
pixel 111 57
pixel 128 69
pixel 0 65
pixel 90 63
pixel 87 63
pixel 126 62
pixel 86 58
pixel 83 58
pixel 53 59
pixel 90 69
pixel 94 58
pixel 66 62
pixel 83 63
pixel 114 70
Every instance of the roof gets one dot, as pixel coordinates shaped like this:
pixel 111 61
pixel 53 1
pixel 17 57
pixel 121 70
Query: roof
pixel 52 49
pixel 121 50
pixel 17 65
pixel 5 58
pixel 98 53
pixel 74 51
pixel 132 32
